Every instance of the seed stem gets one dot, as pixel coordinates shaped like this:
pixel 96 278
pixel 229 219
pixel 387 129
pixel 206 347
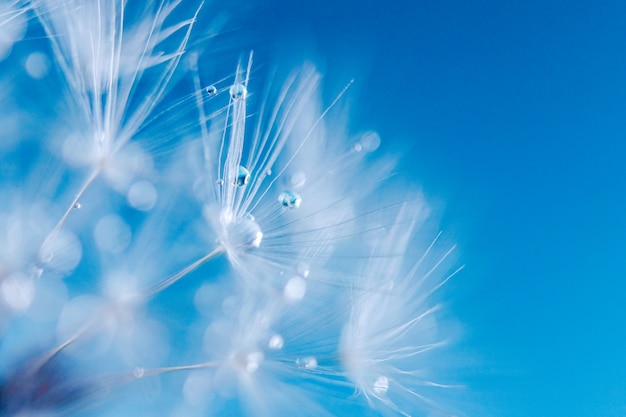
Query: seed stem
pixel 180 274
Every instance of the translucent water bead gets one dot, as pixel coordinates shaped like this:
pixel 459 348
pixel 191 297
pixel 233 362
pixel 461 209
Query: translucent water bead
pixel 381 385
pixel 238 91
pixel 211 90
pixel 290 199
pixel 242 233
pixel 243 176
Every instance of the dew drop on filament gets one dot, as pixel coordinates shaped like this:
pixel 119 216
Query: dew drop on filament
pixel 238 91
pixel 241 233
pixel 211 90
pixel 381 385
pixel 243 176
pixel 290 199
pixel 138 372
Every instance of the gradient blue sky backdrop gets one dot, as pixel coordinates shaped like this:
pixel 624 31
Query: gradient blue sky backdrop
pixel 512 113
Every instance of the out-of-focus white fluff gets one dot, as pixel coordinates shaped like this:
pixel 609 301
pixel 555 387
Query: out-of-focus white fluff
pixel 118 59
pixel 393 324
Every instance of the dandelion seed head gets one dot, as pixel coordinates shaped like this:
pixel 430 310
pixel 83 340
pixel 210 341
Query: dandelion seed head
pixel 239 234
pixel 393 324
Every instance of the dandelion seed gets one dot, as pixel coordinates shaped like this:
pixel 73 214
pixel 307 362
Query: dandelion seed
pixel 393 325
pixel 105 58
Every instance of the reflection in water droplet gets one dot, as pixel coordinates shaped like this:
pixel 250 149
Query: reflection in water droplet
pixel 357 147
pixel 238 92
pixel 77 205
pixel 219 182
pixel 243 176
pixel 381 385
pixel 138 372
pixel 290 199
pixel 211 90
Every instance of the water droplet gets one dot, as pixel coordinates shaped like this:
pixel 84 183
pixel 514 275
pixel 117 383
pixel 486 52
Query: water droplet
pixel 77 205
pixel 290 199
pixel 276 342
pixel 211 90
pixel 243 176
pixel 357 147
pixel 242 233
pixel 295 289
pixel 238 91
pixel 219 182
pixel 308 363
pixel 268 172
pixel 138 372
pixel 381 385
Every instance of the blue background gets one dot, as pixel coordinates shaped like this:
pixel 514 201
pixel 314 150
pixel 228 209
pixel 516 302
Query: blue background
pixel 512 114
